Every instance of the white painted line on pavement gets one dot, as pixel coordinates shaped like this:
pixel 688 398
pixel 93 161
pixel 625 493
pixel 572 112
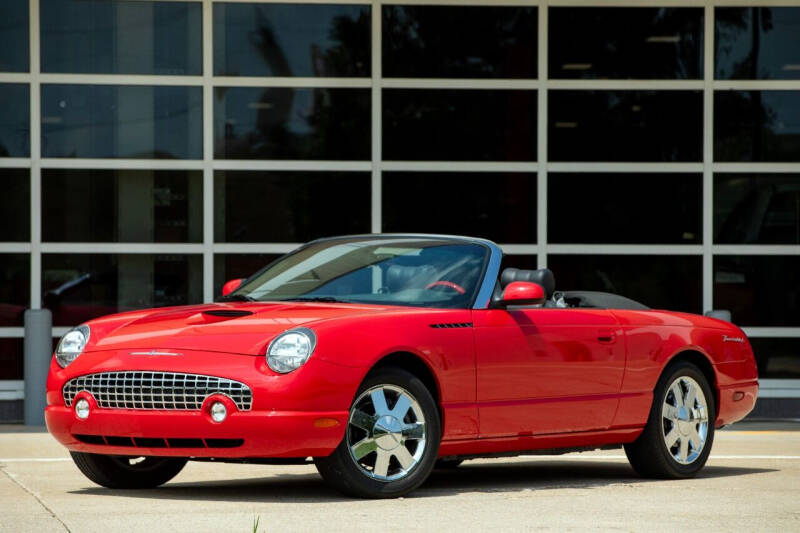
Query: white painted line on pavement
pixel 608 457
pixel 33 459
pixel 552 457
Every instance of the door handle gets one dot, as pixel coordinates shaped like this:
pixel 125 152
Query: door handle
pixel 606 336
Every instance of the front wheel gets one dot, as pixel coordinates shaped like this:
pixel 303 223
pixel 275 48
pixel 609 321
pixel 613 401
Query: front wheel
pixel 679 433
pixel 391 441
pixel 118 472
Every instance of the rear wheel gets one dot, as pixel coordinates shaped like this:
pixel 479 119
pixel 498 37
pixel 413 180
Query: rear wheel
pixel 679 433
pixel 119 472
pixel 391 440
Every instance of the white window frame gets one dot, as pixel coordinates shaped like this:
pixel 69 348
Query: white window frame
pixel 376 165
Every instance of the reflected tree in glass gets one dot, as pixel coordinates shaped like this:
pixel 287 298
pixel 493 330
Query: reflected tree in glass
pixel 291 123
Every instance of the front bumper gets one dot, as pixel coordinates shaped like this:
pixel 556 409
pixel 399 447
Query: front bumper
pixel 300 414
pixel 262 434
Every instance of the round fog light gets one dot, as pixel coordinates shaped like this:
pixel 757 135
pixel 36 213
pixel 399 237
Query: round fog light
pixel 218 412
pixel 82 409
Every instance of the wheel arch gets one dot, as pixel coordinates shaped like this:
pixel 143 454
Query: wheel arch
pixel 701 361
pixel 415 365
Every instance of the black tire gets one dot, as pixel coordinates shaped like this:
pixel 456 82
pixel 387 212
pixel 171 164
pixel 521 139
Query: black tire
pixel 340 469
pixel 118 472
pixel 448 464
pixel 649 455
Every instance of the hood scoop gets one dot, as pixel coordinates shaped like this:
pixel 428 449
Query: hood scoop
pixel 228 313
pixel 212 316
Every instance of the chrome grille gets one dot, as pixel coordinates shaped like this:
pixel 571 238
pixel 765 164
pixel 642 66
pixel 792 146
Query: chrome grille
pixel 156 390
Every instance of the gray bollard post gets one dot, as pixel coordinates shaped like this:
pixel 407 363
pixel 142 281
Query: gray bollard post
pixel 38 350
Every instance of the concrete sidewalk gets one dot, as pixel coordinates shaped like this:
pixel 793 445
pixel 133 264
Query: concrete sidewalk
pixel 752 482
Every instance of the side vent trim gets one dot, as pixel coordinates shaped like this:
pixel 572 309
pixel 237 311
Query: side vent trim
pixel 450 325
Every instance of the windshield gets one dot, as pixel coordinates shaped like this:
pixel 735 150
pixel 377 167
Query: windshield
pixel 390 271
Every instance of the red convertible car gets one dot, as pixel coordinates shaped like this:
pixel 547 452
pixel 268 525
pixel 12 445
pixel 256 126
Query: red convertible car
pixel 382 357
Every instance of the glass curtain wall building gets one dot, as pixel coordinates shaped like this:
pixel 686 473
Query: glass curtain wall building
pixel 149 151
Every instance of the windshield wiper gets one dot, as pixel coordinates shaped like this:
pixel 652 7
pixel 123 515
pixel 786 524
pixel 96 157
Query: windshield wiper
pixel 236 298
pixel 329 299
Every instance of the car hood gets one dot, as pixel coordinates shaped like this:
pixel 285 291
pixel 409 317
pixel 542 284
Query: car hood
pixel 242 328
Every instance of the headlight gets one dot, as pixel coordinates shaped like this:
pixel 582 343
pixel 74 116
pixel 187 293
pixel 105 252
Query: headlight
pixel 291 349
pixel 71 345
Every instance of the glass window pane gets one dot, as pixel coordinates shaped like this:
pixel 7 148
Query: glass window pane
pixel 291 40
pixel 79 287
pixel 459 125
pixel 757 125
pixel 609 208
pixel 289 206
pixel 11 359
pixel 658 281
pixel 15 204
pixel 15 131
pixel 15 288
pixel 122 206
pixel 757 208
pixel 288 123
pixel 758 290
pixel 122 121
pixel 625 125
pixel 121 37
pixel 757 43
pixel 626 42
pixel 14 48
pixel 777 358
pixel 457 203
pixel 233 266
pixel 459 42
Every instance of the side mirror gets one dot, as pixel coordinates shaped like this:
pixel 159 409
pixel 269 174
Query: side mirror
pixel 522 293
pixel 231 286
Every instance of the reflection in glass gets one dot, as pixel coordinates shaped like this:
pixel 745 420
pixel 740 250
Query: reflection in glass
pixel 757 208
pixel 122 121
pixel 11 359
pixel 15 283
pixel 121 37
pixel 15 119
pixel 625 125
pixel 658 281
pixel 757 126
pixel 590 208
pixel 458 204
pixel 459 125
pixel 626 42
pixel 758 290
pixel 777 358
pixel 233 266
pixel 459 41
pixel 126 206
pixel 291 40
pixel 289 206
pixel 79 287
pixel 757 43
pixel 14 54
pixel 288 123
pixel 15 204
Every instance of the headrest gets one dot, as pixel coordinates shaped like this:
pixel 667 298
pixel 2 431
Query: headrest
pixel 543 277
pixel 399 277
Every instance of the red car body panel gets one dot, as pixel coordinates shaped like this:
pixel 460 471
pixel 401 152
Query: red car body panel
pixel 506 380
pixel 515 380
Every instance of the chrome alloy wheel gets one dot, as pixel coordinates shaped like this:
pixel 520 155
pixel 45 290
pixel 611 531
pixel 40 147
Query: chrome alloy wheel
pixel 386 442
pixel 684 418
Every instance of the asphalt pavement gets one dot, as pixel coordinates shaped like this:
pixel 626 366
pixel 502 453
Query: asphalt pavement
pixel 751 483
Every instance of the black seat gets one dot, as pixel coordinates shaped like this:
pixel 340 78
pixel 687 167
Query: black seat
pixel 399 277
pixel 543 277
